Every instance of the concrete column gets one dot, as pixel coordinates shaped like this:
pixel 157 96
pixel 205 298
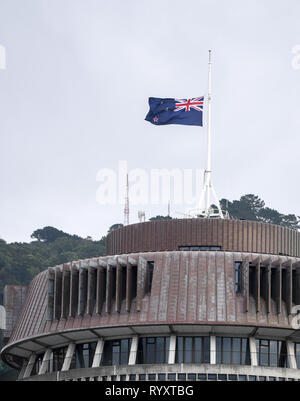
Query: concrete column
pixel 46 359
pixel 82 294
pixel 253 351
pixel 101 286
pixel 50 295
pixel 118 288
pixel 213 355
pixel 172 349
pixel 290 347
pixel 109 284
pixel 133 350
pixel 29 366
pixel 22 371
pixel 141 282
pixel 68 357
pixel 74 282
pixel 129 287
pixel 98 353
pixel 57 293
pixel 91 290
pixel 65 301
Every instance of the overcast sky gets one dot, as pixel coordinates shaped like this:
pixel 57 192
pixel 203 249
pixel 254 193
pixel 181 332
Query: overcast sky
pixel 73 98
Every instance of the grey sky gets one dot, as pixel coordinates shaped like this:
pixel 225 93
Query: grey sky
pixel 74 93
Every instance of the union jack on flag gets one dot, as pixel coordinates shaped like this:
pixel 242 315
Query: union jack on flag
pixel 187 104
pixel 165 111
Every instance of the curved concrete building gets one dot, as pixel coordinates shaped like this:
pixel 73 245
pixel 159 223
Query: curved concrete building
pixel 182 299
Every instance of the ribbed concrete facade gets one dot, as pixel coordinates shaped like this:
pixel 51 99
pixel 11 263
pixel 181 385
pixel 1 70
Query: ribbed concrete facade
pixel 228 310
pixel 230 235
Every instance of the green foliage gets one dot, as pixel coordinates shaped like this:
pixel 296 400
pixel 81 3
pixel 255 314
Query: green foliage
pixel 160 218
pixel 20 262
pixel 251 207
pixel 49 234
pixel 115 227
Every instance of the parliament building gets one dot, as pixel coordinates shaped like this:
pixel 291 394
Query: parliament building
pixel 176 300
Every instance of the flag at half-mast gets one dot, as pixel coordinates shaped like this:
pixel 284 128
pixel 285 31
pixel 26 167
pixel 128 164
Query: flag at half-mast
pixel 175 111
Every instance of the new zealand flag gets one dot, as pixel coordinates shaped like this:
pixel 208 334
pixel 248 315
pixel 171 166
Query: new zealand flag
pixel 175 111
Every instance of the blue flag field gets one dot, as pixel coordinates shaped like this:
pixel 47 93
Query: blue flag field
pixel 175 111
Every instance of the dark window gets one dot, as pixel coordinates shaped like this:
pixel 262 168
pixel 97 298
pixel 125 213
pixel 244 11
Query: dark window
pixel 113 282
pixel 37 364
pixel 273 284
pixel 192 350
pixel 242 378
pixel 182 376
pixel 284 285
pixel 222 377
pixel 238 276
pixel 200 248
pixel 202 376
pixel 212 377
pixel 84 355
pixel 116 352
pixel 122 378
pixel 271 353
pixel 252 280
pixel 132 377
pixel 172 376
pixel 151 377
pixel 192 376
pixel 153 350
pixel 123 282
pixel 233 351
pixel 142 377
pixel 264 283
pixel 58 358
pixel 161 376
pixel 294 286
pixel 134 281
pixel 150 269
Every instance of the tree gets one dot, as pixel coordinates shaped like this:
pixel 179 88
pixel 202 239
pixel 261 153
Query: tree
pixel 48 234
pixel 160 218
pixel 251 207
pixel 115 227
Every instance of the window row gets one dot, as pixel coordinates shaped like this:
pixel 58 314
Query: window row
pixel 200 248
pixel 189 349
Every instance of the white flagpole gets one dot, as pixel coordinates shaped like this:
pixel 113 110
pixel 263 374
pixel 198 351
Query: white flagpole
pixel 208 191
pixel 208 170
